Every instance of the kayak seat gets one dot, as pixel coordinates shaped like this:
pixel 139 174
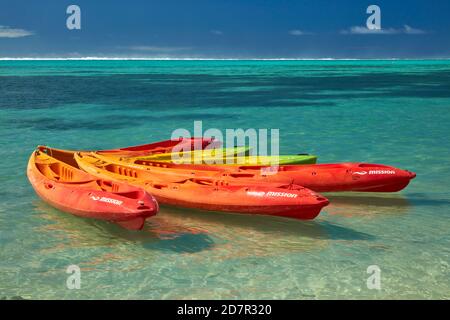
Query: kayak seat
pixel 55 169
pixel 131 194
pixel 107 185
pixel 124 171
pixel 68 174
pixel 47 171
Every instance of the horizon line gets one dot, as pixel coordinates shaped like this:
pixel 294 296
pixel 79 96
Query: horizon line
pixel 93 58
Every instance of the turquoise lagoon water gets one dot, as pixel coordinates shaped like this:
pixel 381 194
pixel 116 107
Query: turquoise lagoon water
pixel 392 112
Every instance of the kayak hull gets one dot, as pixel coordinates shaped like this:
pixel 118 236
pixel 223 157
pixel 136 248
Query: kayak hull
pixel 160 147
pixel 358 177
pixel 85 195
pixel 242 160
pixel 207 155
pixel 299 211
pixel 213 195
pixel 342 177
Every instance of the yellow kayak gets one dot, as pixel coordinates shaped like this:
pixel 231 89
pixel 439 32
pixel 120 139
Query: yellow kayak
pixel 198 156
pixel 231 156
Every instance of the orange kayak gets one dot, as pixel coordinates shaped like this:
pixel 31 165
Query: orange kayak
pixel 277 199
pixel 56 178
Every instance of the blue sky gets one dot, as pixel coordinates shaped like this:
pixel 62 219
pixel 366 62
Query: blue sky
pixel 225 29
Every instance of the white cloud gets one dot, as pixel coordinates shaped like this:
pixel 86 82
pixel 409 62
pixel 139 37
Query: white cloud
pixel 410 30
pixel 7 32
pixel 158 49
pixel 363 30
pixel 217 32
pixel 297 32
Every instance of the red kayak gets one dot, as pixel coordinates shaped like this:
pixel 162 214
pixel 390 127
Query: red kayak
pixel 363 177
pixel 162 147
pixel 56 178
pixel 318 177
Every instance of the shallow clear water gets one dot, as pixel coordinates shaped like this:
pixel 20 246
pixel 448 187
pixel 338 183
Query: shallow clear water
pixel 392 112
